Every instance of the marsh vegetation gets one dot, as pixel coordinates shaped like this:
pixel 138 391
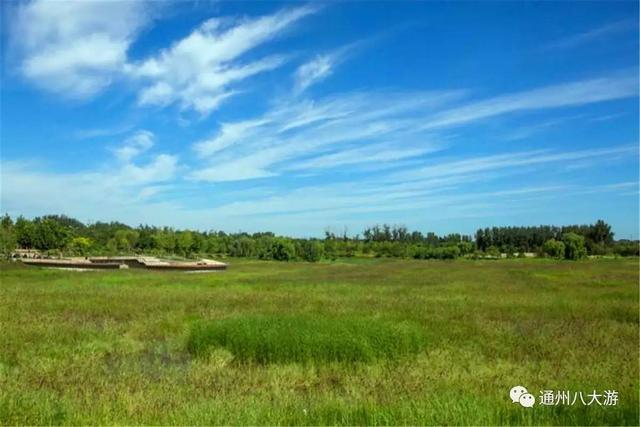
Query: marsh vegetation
pixel 357 341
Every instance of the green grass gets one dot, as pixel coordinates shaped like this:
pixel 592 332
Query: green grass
pixel 375 342
pixel 306 339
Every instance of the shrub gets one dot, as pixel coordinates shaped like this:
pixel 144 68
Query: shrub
pixel 305 339
pixel 553 249
pixel 627 248
pixel 442 252
pixel 493 252
pixel 573 246
pixel 242 247
pixel 466 248
pixel 282 250
pixel 448 252
pixel 80 245
pixel 311 250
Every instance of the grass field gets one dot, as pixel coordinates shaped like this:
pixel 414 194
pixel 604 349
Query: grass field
pixel 359 342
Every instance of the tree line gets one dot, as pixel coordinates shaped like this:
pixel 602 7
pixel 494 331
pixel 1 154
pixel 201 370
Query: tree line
pixel 62 235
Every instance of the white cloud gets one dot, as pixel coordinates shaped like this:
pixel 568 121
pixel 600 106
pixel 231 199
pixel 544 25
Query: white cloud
pixel 378 153
pixel 556 96
pixel 447 189
pixel 101 132
pixel 517 160
pixel 287 136
pixel 313 71
pixel 229 134
pixel 107 192
pixel 162 168
pixel 456 189
pixel 592 35
pixel 321 66
pixel 198 70
pixel 359 128
pixel 74 48
pixel 526 131
pixel 135 145
pixel 28 189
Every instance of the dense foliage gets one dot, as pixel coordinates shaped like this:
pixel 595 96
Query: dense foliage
pixel 58 234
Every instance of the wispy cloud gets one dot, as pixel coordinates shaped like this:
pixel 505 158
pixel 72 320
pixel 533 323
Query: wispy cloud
pixel 101 132
pixel 526 131
pixel 294 131
pixel 313 71
pixel 136 144
pixel 590 36
pixel 563 95
pixel 323 65
pixel 199 70
pixel 361 128
pixel 508 161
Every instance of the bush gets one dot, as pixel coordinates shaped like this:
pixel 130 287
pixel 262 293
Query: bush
pixel 305 339
pixel 573 246
pixel 390 249
pixel 311 250
pixel 242 247
pixel 466 248
pixel 443 252
pixel 282 250
pixel 80 246
pixel 553 249
pixel 627 248
pixel 275 248
pixel 493 252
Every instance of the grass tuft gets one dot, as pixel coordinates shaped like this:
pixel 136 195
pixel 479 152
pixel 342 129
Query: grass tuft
pixel 305 339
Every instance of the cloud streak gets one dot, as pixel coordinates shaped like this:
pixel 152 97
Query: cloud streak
pixel 556 96
pixel 593 35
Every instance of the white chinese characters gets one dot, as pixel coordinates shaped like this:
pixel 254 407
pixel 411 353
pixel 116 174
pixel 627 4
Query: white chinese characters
pixel 567 397
pixel 519 394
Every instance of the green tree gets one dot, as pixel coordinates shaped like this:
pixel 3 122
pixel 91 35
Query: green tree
pixel 466 248
pixel 493 252
pixel 553 249
pixel 573 246
pixel 166 240
pixel 243 247
pixel 184 241
pixel 125 240
pixel 80 245
pixel 282 249
pixel 49 234
pixel 330 249
pixel 7 236
pixel 600 233
pixel 24 233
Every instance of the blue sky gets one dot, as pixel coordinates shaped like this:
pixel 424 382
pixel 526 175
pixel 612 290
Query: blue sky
pixel 295 117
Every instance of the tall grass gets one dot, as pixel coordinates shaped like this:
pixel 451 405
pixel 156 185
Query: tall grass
pixel 306 339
